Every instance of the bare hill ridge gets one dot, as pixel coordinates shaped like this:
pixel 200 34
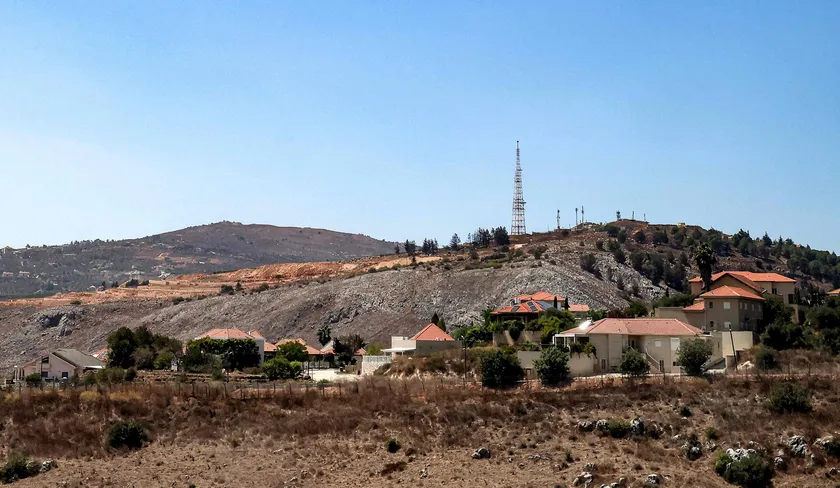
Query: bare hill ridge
pixel 43 271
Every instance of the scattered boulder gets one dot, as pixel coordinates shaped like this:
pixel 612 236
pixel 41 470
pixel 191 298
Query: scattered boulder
pixel 602 425
pixel 584 479
pixel 798 447
pixel 47 465
pixel 481 453
pixel 424 473
pixel 653 480
pixel 621 483
pixel 779 463
pixel 637 426
pixel 739 454
pixel 832 473
pixel 589 467
pixel 586 426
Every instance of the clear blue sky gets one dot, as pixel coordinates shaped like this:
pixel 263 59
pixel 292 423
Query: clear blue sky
pixel 399 119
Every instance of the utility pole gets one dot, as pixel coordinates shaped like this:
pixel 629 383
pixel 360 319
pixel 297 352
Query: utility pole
pixel 582 217
pixel 558 220
pixel 576 216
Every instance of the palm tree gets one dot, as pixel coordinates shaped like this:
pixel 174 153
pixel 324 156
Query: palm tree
pixel 705 258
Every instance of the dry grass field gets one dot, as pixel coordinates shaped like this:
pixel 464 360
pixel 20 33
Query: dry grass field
pixel 203 437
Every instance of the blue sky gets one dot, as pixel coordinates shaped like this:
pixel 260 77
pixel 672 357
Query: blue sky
pixel 399 119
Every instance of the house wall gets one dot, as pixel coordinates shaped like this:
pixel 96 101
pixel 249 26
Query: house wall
pixel 526 360
pixel 716 315
pixel 602 350
pixel 582 365
pixel 54 368
pixel 722 342
pixel 783 290
pixel 397 341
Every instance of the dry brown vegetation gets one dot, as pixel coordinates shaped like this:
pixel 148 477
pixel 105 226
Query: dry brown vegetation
pixel 205 437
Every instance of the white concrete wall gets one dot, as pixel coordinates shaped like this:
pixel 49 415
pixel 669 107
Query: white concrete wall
pixel 581 365
pixel 371 363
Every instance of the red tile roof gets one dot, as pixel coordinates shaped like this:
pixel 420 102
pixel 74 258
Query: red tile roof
pixel 542 296
pixel 309 349
pixel 578 308
pixel 225 334
pixel 646 326
pixel 256 334
pixel 835 292
pixel 695 307
pixel 731 292
pixel 530 306
pixel 432 333
pixel 754 277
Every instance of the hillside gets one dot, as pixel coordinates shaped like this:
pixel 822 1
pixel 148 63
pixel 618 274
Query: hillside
pixel 43 271
pixel 378 297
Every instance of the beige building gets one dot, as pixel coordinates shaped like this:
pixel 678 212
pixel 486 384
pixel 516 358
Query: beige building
pixel 772 283
pixel 61 364
pixel 657 339
pixel 428 341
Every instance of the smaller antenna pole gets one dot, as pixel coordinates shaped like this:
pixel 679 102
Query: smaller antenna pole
pixel 582 218
pixel 576 216
pixel 558 219
pixel 618 215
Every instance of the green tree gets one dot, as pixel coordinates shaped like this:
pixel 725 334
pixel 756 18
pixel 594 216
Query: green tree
pixel 121 346
pixel 588 262
pixel 374 350
pixel 164 360
pixel 455 242
pixel 765 359
pixel 500 236
pixel 693 354
pixel 144 358
pixel 293 351
pixel 435 318
pixel 640 237
pixel 637 309
pixel 705 258
pixel 633 364
pixel 500 370
pixel 277 368
pixel 622 236
pixel 442 324
pixel 552 366
pixel 324 334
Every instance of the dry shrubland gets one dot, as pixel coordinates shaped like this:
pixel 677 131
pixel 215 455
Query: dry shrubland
pixel 530 431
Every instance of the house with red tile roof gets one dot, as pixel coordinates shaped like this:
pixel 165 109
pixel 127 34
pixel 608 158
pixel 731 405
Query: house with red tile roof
pixel 429 340
pixel 760 283
pixel 835 293
pixel 529 307
pixel 657 339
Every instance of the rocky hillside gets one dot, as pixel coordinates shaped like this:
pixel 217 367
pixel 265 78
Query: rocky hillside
pixel 43 271
pixel 373 304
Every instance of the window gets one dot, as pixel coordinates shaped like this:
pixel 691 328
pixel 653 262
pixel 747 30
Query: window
pixel 727 305
pixel 727 325
pixel 712 324
pixel 759 307
pixel 775 291
pixel 65 375
pixel 44 374
pixel 657 343
pixel 753 306
pixel 711 304
pixel 790 298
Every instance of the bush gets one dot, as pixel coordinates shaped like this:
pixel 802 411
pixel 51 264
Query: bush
pixel 392 446
pixel 633 364
pixel 787 397
pixel 18 467
pixel 748 472
pixel 640 237
pixel 711 434
pixel 588 262
pixel 765 359
pixel 75 302
pixel 693 354
pixel 164 360
pixel 552 366
pixel 685 411
pixel 130 374
pixel 293 351
pixel 110 376
pixel 500 370
pixel 277 368
pixel 128 434
pixel 599 245
pixel 618 428
pixel 33 379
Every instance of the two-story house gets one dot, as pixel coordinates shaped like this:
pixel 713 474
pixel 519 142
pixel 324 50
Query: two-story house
pixel 772 283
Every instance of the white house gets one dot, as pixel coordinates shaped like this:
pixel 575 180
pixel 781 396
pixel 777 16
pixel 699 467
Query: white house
pixel 60 364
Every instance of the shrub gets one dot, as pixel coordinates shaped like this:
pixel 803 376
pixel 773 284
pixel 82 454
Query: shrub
pixel 618 428
pixel 293 351
pixel 693 354
pixel 226 290
pixel 130 374
pixel 18 467
pixel 110 376
pixel 633 364
pixel 500 370
pixel 685 411
pixel 552 366
pixel 711 434
pixel 75 302
pixel 787 397
pixel 164 360
pixel 640 237
pixel 622 236
pixel 748 472
pixel 765 359
pixel 277 368
pixel 599 245
pixel 392 446
pixel 515 328
pixel 128 434
pixel 588 262
pixel 33 379
pixel 832 447
pixel 722 461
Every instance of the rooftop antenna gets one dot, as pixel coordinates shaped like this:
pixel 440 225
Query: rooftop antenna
pixel 517 226
pixel 618 215
pixel 558 219
pixel 576 216
pixel 582 218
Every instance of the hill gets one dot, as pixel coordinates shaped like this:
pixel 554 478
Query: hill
pixel 46 270
pixel 378 297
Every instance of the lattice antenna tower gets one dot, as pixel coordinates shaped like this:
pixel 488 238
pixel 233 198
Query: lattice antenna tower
pixel 517 226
